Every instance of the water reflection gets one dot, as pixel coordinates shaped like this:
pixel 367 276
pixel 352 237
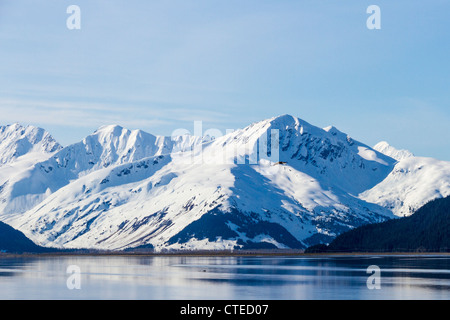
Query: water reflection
pixel 265 278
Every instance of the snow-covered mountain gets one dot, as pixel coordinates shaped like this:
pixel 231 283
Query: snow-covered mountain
pixel 109 146
pixel 280 182
pixel 17 141
pixel 21 148
pixel 392 152
pixel 412 183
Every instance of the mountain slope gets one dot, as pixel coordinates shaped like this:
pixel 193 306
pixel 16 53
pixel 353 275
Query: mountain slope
pixel 17 141
pixel 303 195
pixel 279 183
pixel 13 241
pixel 21 148
pixel 413 182
pixel 109 146
pixel 392 152
pixel 426 230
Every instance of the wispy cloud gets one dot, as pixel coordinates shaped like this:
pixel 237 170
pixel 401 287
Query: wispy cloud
pixel 88 114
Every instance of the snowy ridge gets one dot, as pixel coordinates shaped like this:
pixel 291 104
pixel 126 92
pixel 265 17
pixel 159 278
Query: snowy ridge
pixel 281 182
pixel 17 141
pixel 392 152
pixel 20 149
pixel 412 183
pixel 109 146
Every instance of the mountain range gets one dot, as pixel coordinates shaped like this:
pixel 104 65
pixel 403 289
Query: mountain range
pixel 277 183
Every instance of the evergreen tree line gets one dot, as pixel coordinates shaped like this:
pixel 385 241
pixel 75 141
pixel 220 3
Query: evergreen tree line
pixel 427 230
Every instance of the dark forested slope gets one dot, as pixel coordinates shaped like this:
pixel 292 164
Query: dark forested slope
pixel 428 229
pixel 14 241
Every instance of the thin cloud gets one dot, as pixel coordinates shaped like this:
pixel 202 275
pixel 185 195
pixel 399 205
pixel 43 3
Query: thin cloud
pixel 85 114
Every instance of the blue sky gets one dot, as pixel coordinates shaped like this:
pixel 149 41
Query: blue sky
pixel 160 65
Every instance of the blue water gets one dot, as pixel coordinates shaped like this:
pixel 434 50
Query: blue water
pixel 230 278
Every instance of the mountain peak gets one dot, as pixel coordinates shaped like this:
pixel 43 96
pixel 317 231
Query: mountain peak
pixel 287 120
pixel 385 148
pixel 284 122
pixel 13 127
pixel 284 117
pixel 114 129
pixel 333 130
pixel 17 140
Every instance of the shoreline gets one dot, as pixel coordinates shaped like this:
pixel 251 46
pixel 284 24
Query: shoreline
pixel 215 254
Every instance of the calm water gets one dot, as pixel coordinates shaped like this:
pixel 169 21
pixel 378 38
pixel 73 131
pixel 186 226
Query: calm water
pixel 233 278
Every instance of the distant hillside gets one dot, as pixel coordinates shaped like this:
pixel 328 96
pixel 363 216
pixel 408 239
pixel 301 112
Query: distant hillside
pixel 13 241
pixel 427 230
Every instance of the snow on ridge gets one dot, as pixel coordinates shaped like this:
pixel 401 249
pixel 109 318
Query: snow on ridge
pixel 385 148
pixel 120 188
pixel 413 182
pixel 17 141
